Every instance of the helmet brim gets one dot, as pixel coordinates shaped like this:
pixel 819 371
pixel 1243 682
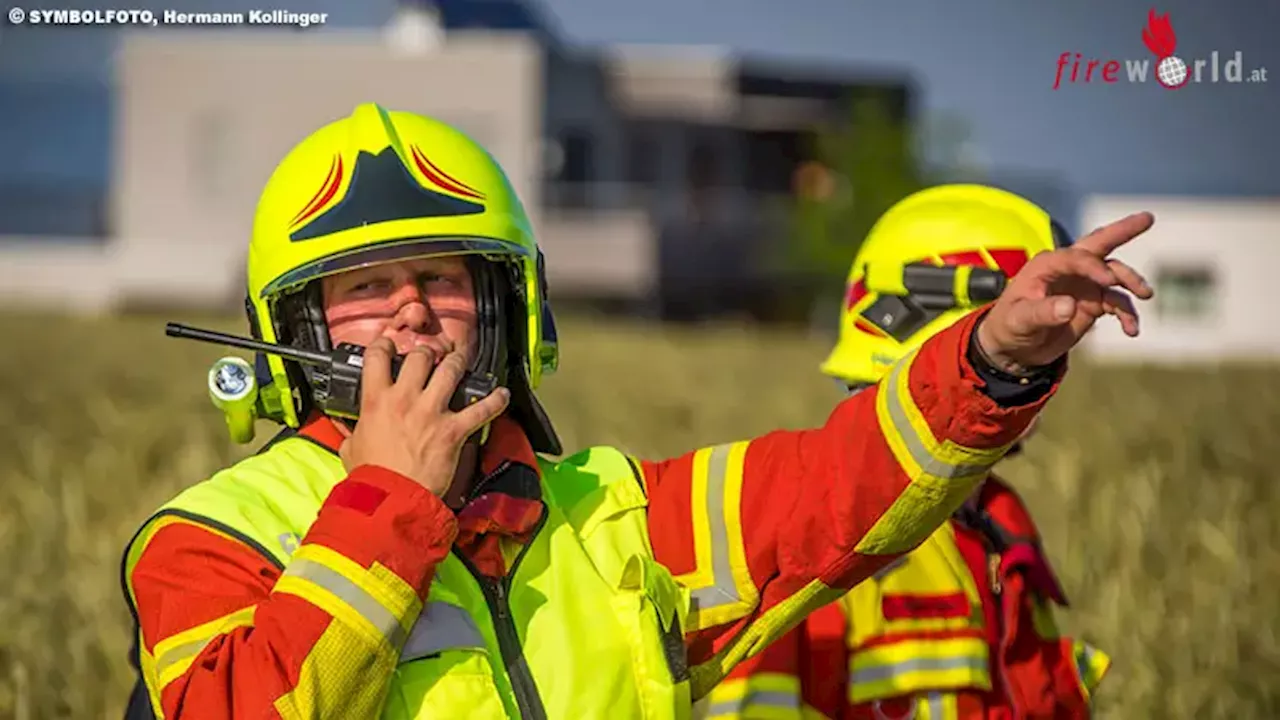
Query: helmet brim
pixel 391 251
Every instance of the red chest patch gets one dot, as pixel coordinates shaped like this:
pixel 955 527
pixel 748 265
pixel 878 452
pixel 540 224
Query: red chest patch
pixel 906 607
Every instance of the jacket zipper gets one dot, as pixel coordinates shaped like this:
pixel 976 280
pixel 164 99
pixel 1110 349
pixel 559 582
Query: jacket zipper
pixel 495 596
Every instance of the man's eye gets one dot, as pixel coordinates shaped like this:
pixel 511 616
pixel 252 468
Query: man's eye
pixel 431 278
pixel 369 286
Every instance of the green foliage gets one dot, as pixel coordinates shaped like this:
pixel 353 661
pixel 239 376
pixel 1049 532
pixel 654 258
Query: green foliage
pixel 1154 490
pixel 872 160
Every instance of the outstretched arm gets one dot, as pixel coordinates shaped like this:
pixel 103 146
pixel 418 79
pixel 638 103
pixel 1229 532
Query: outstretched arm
pixel 763 532
pixel 791 520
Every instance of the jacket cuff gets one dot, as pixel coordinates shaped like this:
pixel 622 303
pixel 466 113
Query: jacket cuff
pixel 1007 389
pixel 379 516
pixel 988 413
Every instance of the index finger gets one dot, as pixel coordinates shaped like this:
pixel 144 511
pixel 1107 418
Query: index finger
pixel 1103 241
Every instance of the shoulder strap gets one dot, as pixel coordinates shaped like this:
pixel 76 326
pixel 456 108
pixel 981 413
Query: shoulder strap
pixel 1000 516
pixel 1006 524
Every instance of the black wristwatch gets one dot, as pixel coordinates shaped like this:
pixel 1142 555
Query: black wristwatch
pixel 986 366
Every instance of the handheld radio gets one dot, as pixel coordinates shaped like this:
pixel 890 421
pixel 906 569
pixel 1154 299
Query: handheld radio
pixel 335 378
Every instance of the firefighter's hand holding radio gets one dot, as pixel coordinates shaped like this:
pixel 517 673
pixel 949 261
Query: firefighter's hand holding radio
pixel 406 424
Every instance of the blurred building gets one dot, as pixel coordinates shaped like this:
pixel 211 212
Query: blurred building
pixel 1212 263
pixel 653 174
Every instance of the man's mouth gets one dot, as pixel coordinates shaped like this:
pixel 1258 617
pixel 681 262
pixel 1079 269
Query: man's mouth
pixel 408 342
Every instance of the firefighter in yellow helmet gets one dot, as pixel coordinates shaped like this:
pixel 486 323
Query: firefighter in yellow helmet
pixel 962 627
pixel 433 559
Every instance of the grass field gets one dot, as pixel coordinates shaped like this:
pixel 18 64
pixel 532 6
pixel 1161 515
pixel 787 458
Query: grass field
pixel 1154 489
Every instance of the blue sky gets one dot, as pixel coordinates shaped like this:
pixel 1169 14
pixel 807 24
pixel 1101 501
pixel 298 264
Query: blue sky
pixel 990 63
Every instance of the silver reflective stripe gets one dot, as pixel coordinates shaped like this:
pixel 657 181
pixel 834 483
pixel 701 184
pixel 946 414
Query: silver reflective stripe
pixel 756 699
pixel 185 651
pixel 885 672
pixel 440 627
pixel 933 703
pixel 1084 662
pixel 894 565
pixel 362 602
pixel 722 590
pixel 914 443
pixel 936 708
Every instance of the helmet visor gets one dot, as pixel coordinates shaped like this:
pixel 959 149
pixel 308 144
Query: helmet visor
pixel 392 251
pixel 1061 238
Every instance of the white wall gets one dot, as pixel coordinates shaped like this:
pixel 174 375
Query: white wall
pixel 1237 240
pixel 203 118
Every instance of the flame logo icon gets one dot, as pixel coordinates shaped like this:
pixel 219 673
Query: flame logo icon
pixel 1158 35
pixel 1160 39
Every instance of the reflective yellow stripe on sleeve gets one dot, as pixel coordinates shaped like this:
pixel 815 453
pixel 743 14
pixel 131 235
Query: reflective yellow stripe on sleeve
pixel 372 608
pixel 941 474
pixel 759 633
pixel 375 602
pixel 721 589
pixel 174 654
pixel 911 666
pixel 765 696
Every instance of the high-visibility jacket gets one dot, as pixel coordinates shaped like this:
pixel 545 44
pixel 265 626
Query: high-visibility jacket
pixel 233 618
pixel 962 627
pixel 587 620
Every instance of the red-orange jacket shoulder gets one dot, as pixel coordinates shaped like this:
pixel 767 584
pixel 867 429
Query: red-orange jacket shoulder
pixel 756 529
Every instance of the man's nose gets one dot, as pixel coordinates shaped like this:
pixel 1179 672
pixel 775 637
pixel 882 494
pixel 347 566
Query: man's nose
pixel 412 312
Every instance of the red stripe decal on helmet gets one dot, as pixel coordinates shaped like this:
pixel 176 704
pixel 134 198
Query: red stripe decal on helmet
pixel 324 194
pixel 441 178
pixel 455 181
pixel 856 292
pixel 865 326
pixel 971 257
pixel 1009 261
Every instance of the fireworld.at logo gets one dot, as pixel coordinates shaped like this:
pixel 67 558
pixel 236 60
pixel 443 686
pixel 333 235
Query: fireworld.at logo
pixel 1172 71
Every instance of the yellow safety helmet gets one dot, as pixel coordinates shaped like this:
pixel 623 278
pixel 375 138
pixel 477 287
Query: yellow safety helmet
pixel 932 258
pixel 384 186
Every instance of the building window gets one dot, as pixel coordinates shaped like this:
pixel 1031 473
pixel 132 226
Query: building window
pixel 578 156
pixel 642 157
pixel 702 170
pixel 1186 293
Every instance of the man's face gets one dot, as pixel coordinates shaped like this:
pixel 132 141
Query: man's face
pixel 414 302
